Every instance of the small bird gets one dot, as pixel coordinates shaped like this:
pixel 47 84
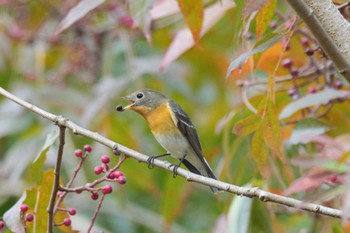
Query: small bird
pixel 172 128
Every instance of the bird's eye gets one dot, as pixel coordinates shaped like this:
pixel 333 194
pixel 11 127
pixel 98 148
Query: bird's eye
pixel 139 95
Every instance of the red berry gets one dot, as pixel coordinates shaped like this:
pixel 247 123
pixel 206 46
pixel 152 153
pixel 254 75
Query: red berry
pixel 67 222
pixel 309 52
pixel 2 225
pixel 287 63
pixel 294 72
pixel 78 153
pixel 72 211
pixel 98 170
pixel 87 148
pixel 29 217
pixel 121 180
pixel 105 159
pixel 107 189
pixel 311 90
pixel 79 191
pixel 305 41
pixel 94 196
pixel 24 207
pixel 111 176
pixel 117 174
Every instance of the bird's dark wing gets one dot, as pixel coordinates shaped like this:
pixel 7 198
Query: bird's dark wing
pixel 184 124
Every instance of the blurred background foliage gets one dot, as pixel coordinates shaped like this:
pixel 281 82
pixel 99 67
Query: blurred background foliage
pixel 82 72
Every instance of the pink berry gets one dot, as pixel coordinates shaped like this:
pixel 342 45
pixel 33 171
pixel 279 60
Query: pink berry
pixel 305 41
pixel 292 91
pixel 2 225
pixel 72 211
pixel 273 24
pixel 309 52
pixel 24 207
pixel 111 176
pixel 29 217
pixel 311 90
pixel 78 153
pixel 105 159
pixel 287 63
pixel 87 148
pixel 117 174
pixel 127 21
pixel 121 180
pixel 338 84
pixel 107 189
pixel 67 222
pixel 98 170
pixel 94 196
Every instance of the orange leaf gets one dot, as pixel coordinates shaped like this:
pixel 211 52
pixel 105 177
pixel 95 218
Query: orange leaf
pixel 193 12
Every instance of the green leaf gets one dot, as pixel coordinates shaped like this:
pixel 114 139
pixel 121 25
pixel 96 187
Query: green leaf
pixel 264 17
pixel 239 215
pixel 306 129
pixel 139 10
pixel 258 148
pixel 193 12
pixel 272 131
pixel 322 97
pixel 35 170
pixel 261 46
pixel 247 125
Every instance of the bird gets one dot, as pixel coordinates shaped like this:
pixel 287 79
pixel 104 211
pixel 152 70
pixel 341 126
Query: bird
pixel 172 128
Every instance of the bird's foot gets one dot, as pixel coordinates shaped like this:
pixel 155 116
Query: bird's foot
pixel 150 160
pixel 176 166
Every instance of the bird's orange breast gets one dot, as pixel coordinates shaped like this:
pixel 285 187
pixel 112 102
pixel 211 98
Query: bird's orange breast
pixel 161 120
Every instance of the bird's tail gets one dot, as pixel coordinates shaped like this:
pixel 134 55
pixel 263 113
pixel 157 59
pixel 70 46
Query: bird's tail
pixel 208 173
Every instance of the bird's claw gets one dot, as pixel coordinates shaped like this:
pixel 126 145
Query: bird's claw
pixel 150 162
pixel 176 166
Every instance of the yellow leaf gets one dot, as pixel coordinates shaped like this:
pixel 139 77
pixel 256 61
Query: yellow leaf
pixel 264 17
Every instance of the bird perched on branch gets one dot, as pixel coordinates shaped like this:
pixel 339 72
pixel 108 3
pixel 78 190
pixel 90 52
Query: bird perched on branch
pixel 172 128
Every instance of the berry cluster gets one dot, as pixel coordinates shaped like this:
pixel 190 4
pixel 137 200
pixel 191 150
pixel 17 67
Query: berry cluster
pixel 24 215
pixel 109 175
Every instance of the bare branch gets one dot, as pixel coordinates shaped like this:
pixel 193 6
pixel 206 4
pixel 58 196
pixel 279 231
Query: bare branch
pixel 56 183
pixel 241 191
pixel 330 29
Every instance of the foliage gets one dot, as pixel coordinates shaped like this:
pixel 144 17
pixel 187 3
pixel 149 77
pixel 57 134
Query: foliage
pixel 275 116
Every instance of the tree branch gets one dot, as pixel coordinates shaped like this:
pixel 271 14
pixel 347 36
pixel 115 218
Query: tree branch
pixel 241 191
pixel 330 29
pixel 56 183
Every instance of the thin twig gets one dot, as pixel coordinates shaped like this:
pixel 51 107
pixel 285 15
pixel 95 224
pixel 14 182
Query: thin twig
pixel 56 179
pixel 95 213
pixel 70 182
pixel 241 191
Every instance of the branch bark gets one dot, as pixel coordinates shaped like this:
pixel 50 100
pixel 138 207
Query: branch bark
pixel 330 29
pixel 241 191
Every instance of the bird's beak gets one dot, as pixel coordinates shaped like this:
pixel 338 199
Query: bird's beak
pixel 121 108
